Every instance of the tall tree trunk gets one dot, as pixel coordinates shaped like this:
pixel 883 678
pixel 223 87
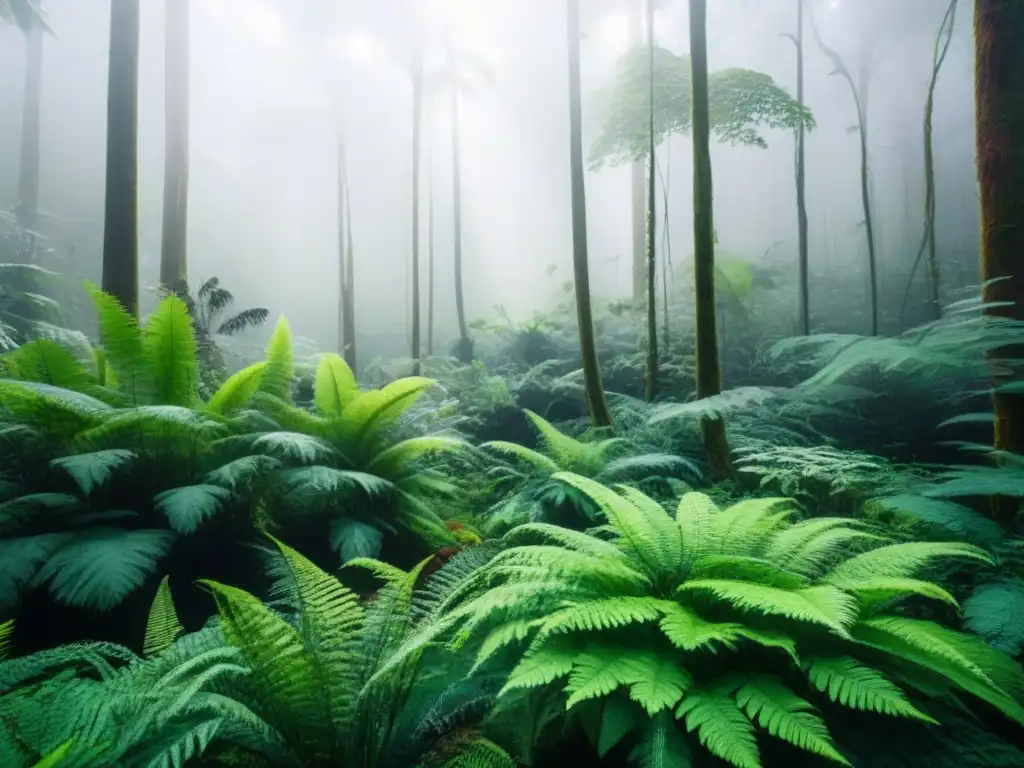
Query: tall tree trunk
pixel 999 91
pixel 651 377
pixel 417 129
pixel 943 39
pixel 636 180
pixel 600 414
pixel 174 250
pixel 430 240
pixel 350 285
pixel 464 350
pixel 342 242
pixel 120 224
pixel 801 199
pixel 860 102
pixel 27 210
pixel 709 374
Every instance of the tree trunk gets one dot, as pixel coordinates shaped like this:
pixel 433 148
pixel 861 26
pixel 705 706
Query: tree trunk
pixel 120 224
pixel 342 241
pixel 27 210
pixel 999 91
pixel 417 129
pixel 464 350
pixel 174 250
pixel 430 241
pixel 801 200
pixel 350 285
pixel 600 415
pixel 651 377
pixel 636 181
pixel 709 375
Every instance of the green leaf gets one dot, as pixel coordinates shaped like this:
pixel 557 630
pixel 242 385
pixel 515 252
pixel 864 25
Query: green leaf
pixel 239 388
pixel 996 612
pixel 187 507
pixel 162 626
pixel 91 470
pixel 352 538
pixel 123 350
pixel 170 349
pixel 722 727
pixel 101 567
pixel 277 376
pixel 335 386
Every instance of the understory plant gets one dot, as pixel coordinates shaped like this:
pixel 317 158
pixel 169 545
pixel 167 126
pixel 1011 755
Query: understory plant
pixel 736 632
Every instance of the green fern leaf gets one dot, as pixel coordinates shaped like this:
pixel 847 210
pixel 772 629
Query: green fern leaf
pixel 170 349
pixel 786 716
pixel 689 632
pixel 541 667
pixel 536 459
pixel 353 539
pixel 824 605
pixel 565 450
pixel 850 683
pixel 47 362
pixel 6 633
pixel 276 380
pixel 307 485
pixel 20 560
pixel 123 349
pixel 335 386
pixel 92 470
pixel 162 626
pixel 695 517
pixel 722 727
pixel 100 567
pixel 57 756
pixel 237 390
pixel 996 612
pixel 364 417
pixel 600 669
pixel 902 560
pixel 294 446
pixel 400 457
pixel 187 507
pixel 242 473
pixel 662 684
pixel 598 615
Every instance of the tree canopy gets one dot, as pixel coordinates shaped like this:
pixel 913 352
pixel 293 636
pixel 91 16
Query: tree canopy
pixel 742 101
pixel 24 14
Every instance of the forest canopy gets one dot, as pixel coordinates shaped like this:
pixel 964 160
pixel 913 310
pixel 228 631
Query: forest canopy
pixel 741 103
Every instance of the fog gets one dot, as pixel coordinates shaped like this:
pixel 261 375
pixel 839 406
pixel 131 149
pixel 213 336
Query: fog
pixel 273 81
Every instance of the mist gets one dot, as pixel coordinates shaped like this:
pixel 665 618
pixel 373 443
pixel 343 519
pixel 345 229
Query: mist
pixel 273 83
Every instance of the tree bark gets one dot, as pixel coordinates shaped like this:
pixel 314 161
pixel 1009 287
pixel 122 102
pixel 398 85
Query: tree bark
pixel 464 351
pixel 174 247
pixel 651 368
pixel 27 210
pixel 350 285
pixel 709 375
pixel 801 198
pixel 120 230
pixel 636 182
pixel 999 93
pixel 417 129
pixel 600 414
pixel 342 242
pixel 430 239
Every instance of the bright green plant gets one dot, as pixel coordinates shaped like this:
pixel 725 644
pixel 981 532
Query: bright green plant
pixel 537 496
pixel 733 621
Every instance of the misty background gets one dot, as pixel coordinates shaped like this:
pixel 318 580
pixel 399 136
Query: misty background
pixel 273 80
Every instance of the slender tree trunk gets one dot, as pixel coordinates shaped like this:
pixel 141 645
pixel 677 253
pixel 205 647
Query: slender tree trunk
pixel 464 351
pixel 636 181
pixel 350 285
pixel 430 240
pixel 27 210
pixel 941 48
pixel 860 102
pixel 999 91
pixel 651 378
pixel 342 242
pixel 801 200
pixel 417 129
pixel 120 230
pixel 600 414
pixel 709 374
pixel 174 250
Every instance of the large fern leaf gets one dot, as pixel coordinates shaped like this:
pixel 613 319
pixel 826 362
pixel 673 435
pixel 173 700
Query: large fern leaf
pixel 170 349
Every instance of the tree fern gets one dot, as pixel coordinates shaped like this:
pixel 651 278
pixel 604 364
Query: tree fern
pixel 162 626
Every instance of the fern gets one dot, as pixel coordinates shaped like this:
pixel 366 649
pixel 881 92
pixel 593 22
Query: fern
pixel 162 626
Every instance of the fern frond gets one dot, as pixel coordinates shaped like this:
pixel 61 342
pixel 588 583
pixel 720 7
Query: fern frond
pixel 996 612
pixel 162 626
pixel 277 376
pixel 722 727
pixel 335 386
pixel 903 560
pixel 850 683
pixel 169 346
pixel 237 390
pixel 91 470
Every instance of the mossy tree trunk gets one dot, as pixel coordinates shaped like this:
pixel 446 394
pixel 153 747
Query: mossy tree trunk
pixel 651 368
pixel 27 209
pixel 599 412
pixel 999 91
pixel 120 224
pixel 709 376
pixel 174 246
